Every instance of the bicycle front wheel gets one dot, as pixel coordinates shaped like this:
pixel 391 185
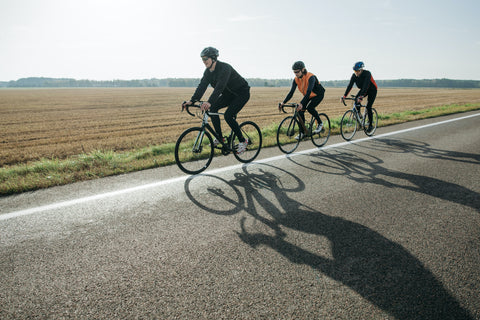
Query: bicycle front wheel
pixel 194 150
pixel 348 125
pixel 287 134
pixel 319 139
pixel 374 124
pixel 251 132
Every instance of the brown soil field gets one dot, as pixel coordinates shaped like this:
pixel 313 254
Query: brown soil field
pixel 57 123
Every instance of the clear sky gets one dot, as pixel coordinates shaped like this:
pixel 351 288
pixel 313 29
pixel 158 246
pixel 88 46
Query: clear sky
pixel 143 39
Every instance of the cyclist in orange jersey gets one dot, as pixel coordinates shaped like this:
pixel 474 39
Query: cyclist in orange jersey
pixel 313 93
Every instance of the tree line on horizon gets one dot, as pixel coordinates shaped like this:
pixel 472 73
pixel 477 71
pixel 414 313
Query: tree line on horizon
pixel 41 82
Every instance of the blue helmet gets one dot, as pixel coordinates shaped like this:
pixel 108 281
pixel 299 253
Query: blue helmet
pixel 358 65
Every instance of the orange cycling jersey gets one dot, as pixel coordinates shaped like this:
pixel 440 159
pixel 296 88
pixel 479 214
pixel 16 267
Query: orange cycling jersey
pixel 302 84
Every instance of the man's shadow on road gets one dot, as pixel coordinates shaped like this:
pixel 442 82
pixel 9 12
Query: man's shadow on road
pixel 380 270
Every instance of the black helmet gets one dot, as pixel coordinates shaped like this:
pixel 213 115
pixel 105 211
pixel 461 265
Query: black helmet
pixel 358 65
pixel 210 52
pixel 299 65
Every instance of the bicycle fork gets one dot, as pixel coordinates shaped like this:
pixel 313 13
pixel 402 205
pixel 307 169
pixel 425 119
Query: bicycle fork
pixel 197 145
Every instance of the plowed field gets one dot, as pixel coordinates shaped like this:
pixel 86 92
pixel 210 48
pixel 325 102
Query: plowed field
pixel 57 123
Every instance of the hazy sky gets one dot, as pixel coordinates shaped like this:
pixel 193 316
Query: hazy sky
pixel 142 39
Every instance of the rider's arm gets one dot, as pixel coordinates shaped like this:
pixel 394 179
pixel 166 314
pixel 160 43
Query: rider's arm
pixel 350 85
pixel 224 71
pixel 202 87
pixel 290 94
pixel 311 84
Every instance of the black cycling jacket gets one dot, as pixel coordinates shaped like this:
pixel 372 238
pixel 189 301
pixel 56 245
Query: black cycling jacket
pixel 224 79
pixel 364 82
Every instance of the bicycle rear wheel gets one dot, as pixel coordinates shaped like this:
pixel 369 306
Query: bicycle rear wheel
pixel 287 131
pixel 252 133
pixel 194 150
pixel 348 125
pixel 319 139
pixel 374 124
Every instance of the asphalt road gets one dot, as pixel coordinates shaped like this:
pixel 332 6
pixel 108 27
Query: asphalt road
pixel 384 228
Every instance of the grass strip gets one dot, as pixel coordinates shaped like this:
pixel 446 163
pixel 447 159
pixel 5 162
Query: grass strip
pixel 102 163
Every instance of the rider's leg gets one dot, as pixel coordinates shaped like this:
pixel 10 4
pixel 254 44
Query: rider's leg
pixel 235 105
pixel 312 104
pixel 357 104
pixel 222 102
pixel 371 100
pixel 301 114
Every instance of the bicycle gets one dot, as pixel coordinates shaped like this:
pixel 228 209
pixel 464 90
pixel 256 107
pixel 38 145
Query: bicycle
pixel 354 119
pixel 288 133
pixel 194 149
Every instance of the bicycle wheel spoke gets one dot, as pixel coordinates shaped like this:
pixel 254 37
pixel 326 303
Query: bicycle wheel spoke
pixel 251 132
pixel 194 151
pixel 374 122
pixel 287 132
pixel 348 125
pixel 319 139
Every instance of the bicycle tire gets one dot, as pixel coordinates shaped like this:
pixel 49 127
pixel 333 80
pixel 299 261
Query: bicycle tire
pixel 321 138
pixel 348 125
pixel 374 123
pixel 250 131
pixel 194 150
pixel 287 130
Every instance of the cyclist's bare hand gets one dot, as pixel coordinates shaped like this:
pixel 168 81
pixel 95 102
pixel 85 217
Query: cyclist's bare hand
pixel 280 105
pixel 185 104
pixel 205 106
pixel 359 99
pixel 299 107
pixel 343 98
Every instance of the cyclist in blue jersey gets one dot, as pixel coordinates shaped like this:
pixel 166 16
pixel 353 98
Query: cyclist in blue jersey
pixel 368 88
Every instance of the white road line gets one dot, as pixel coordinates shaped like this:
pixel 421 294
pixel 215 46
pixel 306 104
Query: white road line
pixel 72 202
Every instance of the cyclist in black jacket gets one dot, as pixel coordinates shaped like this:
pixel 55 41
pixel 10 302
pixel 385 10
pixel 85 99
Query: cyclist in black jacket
pixel 368 87
pixel 230 89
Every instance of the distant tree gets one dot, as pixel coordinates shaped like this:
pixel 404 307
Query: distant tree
pixel 38 82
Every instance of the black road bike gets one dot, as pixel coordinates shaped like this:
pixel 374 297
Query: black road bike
pixel 195 147
pixel 355 119
pixel 289 131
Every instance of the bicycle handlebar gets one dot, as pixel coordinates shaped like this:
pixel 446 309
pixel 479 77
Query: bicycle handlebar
pixel 195 104
pixel 352 97
pixel 289 105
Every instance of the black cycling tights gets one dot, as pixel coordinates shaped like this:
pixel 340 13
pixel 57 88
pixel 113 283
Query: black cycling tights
pixel 235 104
pixel 311 105
pixel 371 99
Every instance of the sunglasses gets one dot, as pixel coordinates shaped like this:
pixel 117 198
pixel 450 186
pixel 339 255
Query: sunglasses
pixel 205 58
pixel 297 71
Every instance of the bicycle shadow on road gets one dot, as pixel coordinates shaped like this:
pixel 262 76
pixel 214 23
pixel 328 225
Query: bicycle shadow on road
pixel 362 167
pixel 378 269
pixel 422 149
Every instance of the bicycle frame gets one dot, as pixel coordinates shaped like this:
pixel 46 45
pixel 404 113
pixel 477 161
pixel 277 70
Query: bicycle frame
pixel 359 116
pixel 226 147
pixel 354 118
pixel 288 128
pixel 296 115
